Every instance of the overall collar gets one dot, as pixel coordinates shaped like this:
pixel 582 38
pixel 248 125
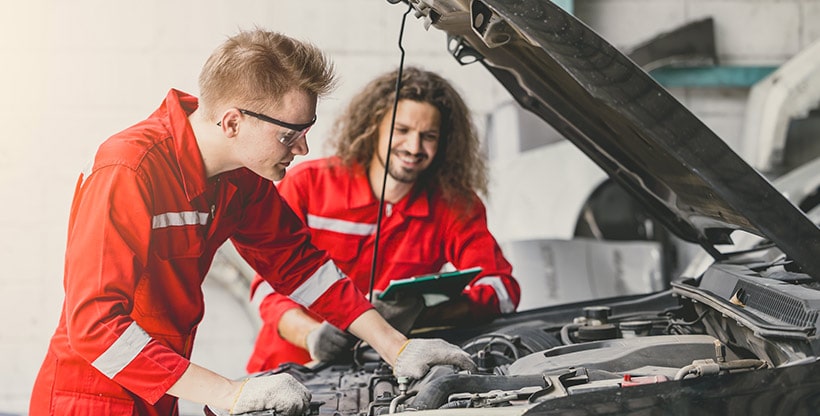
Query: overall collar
pixel 176 108
pixel 360 194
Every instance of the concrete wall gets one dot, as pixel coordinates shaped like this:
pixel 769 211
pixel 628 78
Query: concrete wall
pixel 75 72
pixel 747 32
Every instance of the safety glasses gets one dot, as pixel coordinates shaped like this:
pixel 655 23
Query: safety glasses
pixel 293 133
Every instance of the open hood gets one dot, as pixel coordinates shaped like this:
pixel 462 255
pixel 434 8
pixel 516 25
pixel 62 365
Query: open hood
pixel 561 70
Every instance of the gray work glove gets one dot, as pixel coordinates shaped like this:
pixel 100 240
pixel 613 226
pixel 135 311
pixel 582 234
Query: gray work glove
pixel 280 392
pixel 418 355
pixel 327 342
pixel 401 313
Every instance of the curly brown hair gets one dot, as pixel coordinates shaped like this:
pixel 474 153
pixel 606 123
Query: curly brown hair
pixel 458 169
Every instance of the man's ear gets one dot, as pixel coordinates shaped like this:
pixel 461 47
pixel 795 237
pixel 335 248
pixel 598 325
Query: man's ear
pixel 230 122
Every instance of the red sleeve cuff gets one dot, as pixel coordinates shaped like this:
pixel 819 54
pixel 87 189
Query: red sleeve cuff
pixel 152 372
pixel 483 302
pixel 274 306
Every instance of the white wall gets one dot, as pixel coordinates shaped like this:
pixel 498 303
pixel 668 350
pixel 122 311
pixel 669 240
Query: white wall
pixel 75 72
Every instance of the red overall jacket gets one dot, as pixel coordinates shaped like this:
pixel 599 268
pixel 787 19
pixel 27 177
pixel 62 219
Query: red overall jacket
pixel 419 235
pixel 143 229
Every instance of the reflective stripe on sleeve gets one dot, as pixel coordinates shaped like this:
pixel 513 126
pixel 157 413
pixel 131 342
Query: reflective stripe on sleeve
pixel 122 351
pixel 504 302
pixel 262 291
pixel 316 285
pixel 340 226
pixel 177 219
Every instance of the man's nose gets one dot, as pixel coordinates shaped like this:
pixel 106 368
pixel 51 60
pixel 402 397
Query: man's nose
pixel 300 146
pixel 412 142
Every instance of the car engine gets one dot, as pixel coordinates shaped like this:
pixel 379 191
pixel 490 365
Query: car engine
pixel 734 319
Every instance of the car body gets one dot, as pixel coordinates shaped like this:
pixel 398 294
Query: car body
pixel 738 337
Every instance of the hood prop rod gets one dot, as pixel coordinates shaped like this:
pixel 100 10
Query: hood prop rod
pixel 387 159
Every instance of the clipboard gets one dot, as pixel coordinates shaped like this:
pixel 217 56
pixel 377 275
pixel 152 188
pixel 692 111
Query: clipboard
pixel 450 284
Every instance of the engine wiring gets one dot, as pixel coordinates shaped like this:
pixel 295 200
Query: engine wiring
pixel 682 327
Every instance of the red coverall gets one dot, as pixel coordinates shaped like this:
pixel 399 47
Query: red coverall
pixel 143 229
pixel 420 234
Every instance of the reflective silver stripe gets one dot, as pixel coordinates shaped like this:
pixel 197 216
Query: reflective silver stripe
pixel 262 291
pixel 340 226
pixel 504 302
pixel 316 285
pixel 176 219
pixel 122 351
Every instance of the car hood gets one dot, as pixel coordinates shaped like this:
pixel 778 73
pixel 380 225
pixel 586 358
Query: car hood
pixel 632 127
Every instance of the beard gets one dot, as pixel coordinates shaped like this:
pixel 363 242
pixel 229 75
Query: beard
pixel 403 174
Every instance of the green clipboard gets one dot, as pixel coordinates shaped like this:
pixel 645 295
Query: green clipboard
pixel 449 284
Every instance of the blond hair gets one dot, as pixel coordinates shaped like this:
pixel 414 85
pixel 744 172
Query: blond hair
pixel 255 68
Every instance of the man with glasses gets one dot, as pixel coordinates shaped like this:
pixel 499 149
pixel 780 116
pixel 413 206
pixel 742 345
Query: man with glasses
pixel 145 223
pixel 432 216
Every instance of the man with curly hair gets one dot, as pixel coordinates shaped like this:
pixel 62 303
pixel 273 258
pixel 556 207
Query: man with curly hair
pixel 432 216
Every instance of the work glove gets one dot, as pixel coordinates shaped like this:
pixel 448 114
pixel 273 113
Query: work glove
pixel 401 312
pixel 418 355
pixel 280 392
pixel 327 342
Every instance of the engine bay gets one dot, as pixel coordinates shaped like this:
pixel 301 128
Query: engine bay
pixel 733 320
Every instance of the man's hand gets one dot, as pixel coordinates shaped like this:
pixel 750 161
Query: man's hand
pixel 326 342
pixel 418 355
pixel 400 313
pixel 280 392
